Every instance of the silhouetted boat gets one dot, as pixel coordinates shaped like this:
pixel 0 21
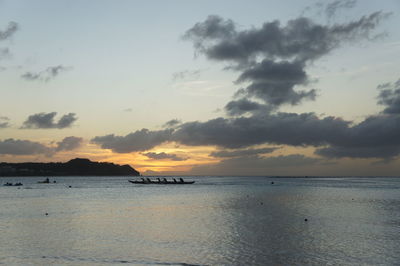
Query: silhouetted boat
pixel 148 181
pixel 8 184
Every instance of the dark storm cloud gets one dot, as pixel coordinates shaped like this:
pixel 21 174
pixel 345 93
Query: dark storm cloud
pixel 233 133
pixel 46 121
pixel 274 82
pixel 242 153
pixel 172 123
pixel 140 140
pixel 254 165
pixel 11 28
pixel 281 128
pixel 69 143
pixel 299 39
pixel 4 122
pixel 273 58
pixel 22 147
pixel 389 97
pixel 163 156
pixel 275 72
pixel 45 75
pixel 375 137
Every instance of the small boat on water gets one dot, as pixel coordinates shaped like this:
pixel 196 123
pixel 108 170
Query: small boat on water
pixel 46 181
pixel 8 184
pixel 164 181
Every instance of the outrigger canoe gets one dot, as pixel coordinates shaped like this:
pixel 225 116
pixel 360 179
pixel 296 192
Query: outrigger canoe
pixel 161 182
pixel 8 184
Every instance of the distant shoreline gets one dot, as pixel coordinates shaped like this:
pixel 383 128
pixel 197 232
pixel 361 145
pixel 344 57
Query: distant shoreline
pixel 272 176
pixel 74 167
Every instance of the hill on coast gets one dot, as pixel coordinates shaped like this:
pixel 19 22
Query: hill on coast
pixel 74 167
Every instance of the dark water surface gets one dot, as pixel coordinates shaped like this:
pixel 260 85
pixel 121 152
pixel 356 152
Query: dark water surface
pixel 216 221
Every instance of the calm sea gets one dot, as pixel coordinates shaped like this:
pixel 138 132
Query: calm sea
pixel 216 221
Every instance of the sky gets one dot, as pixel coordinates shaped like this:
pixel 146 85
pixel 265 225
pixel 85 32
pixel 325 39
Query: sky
pixel 203 87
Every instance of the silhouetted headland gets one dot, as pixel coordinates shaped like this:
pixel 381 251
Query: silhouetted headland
pixel 74 167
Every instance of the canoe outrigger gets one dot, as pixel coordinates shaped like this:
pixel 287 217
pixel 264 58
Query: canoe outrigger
pixel 164 181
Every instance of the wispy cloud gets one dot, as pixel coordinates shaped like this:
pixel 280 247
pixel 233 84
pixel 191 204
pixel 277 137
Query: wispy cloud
pixel 164 156
pixel 6 34
pixel 10 30
pixel 45 75
pixel 4 122
pixel 172 123
pixel 389 96
pixel 329 9
pixel 186 74
pixel 242 152
pixel 332 8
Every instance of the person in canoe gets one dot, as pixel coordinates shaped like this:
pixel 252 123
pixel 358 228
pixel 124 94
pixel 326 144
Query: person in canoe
pixel 46 181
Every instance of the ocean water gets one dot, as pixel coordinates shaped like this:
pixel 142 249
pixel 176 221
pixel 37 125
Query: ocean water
pixel 216 221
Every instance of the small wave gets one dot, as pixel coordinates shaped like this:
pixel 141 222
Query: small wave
pixel 117 261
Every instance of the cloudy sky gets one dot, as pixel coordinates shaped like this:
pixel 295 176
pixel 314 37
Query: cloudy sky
pixel 203 87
